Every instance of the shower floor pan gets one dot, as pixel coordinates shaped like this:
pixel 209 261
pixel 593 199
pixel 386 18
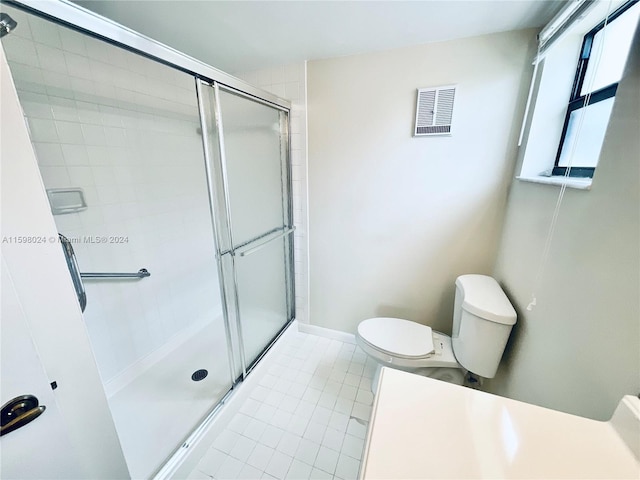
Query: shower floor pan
pixel 160 407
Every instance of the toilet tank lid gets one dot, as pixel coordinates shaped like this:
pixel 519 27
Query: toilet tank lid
pixel 482 296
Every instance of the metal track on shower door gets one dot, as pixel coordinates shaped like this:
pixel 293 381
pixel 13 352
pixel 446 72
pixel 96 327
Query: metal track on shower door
pixel 88 22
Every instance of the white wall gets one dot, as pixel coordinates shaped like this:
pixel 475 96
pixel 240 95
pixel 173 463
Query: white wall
pixel 125 130
pixel 578 350
pixel 290 82
pixel 395 219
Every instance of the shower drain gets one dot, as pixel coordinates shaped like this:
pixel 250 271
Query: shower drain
pixel 199 375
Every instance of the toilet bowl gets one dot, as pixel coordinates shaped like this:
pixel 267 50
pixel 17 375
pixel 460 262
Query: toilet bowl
pixel 409 346
pixel 482 321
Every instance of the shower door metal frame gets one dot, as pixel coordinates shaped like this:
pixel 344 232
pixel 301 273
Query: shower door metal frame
pixel 78 18
pixel 90 23
pixel 241 250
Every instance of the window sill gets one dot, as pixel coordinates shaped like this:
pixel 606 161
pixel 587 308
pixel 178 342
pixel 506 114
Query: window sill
pixel 571 182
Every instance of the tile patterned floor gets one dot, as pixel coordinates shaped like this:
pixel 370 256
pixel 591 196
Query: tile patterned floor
pixel 307 418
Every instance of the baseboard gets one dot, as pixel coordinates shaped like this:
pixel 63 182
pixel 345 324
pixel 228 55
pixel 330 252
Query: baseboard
pixel 327 333
pixel 129 374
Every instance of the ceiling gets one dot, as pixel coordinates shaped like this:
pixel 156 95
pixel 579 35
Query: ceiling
pixel 240 36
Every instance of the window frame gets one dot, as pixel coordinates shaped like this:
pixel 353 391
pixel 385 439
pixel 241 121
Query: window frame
pixel 577 101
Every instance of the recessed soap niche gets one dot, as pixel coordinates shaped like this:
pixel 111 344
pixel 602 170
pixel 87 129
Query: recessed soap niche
pixel 66 200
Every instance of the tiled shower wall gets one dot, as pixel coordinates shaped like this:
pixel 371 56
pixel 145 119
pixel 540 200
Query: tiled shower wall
pixel 290 82
pixel 125 130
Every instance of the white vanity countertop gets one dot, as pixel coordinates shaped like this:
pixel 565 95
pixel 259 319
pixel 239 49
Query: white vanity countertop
pixel 424 428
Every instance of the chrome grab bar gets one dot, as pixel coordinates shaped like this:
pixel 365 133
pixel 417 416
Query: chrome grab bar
pixel 142 273
pixel 262 243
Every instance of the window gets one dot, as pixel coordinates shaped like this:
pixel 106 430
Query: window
pixel 600 67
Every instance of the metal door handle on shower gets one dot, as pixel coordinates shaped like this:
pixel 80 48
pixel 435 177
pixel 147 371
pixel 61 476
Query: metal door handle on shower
pixel 266 241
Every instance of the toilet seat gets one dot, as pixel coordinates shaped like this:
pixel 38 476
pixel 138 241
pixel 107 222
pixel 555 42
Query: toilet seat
pixel 436 352
pixel 397 337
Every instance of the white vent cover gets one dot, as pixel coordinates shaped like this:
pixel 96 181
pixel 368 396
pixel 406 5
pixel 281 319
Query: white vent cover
pixel 434 110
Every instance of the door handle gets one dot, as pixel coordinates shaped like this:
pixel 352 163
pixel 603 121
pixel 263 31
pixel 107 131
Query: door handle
pixel 19 411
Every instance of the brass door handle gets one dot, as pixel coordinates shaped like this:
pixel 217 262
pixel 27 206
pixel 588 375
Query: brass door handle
pixel 19 411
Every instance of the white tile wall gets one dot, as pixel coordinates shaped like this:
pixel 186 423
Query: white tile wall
pixel 307 416
pixel 124 129
pixel 290 82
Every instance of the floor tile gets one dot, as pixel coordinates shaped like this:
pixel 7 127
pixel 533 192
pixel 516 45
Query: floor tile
pixel 243 448
pixel 307 451
pixel 265 413
pixel 321 415
pixel 351 379
pixel 279 465
pixel 364 396
pixel 343 405
pixel 250 407
pixel 298 470
pixel 347 468
pixel 298 425
pixel 260 457
pixel 273 398
pixel 229 469
pixel 361 411
pixel 327 400
pixel 349 392
pixel 289 443
pixel 271 436
pixel 306 417
pixel 338 421
pixel 315 432
pixel 289 403
pixel 197 475
pixel 317 474
pixel 281 419
pixel 211 461
pixel 239 422
pixel 248 473
pixel 255 429
pixel 352 446
pixel 333 439
pixel 357 428
pixel 226 441
pixel 326 460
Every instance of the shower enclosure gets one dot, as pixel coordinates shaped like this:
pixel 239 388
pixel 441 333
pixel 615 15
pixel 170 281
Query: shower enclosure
pixel 169 183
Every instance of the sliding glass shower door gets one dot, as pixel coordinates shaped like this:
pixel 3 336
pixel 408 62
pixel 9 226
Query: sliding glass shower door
pixel 182 264
pixel 247 143
pixel 117 140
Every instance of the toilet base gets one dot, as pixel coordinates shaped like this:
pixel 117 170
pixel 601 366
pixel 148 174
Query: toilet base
pixel 451 375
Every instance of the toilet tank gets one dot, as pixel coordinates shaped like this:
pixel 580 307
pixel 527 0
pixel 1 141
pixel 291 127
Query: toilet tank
pixel 482 321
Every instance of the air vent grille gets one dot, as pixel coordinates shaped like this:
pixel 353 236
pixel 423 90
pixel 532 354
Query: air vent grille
pixel 434 110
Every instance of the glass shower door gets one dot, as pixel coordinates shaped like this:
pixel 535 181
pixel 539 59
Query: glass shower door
pixel 249 149
pixel 117 139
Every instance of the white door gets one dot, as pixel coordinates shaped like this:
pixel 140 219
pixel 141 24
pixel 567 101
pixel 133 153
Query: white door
pixel 40 449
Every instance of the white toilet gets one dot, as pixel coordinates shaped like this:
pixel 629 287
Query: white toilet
pixel 482 321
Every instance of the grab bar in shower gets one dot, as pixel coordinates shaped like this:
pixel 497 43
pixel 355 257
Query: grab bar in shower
pixel 142 273
pixel 262 243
